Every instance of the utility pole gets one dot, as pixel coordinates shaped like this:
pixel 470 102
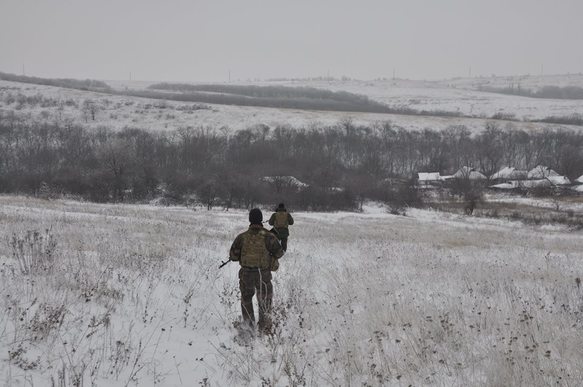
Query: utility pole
pixel 229 76
pixel 470 72
pixel 23 72
pixel 541 69
pixel 393 73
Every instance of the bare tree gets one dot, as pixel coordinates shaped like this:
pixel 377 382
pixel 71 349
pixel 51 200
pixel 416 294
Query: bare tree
pixel 89 109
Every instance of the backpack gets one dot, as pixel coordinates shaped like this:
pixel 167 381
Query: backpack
pixel 281 220
pixel 254 253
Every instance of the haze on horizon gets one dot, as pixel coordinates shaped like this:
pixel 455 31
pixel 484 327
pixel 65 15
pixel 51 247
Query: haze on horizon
pixel 182 40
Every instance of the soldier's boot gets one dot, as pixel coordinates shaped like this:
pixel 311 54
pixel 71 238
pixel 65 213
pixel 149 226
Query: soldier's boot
pixel 245 332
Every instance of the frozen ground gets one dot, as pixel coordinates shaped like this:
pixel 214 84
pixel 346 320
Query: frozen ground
pixel 452 96
pixel 66 106
pixel 133 296
pixel 527 81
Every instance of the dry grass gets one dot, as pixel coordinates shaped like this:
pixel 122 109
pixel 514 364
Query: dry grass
pixel 135 297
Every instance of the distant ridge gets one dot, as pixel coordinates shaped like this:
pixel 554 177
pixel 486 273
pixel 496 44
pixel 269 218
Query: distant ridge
pixel 86 84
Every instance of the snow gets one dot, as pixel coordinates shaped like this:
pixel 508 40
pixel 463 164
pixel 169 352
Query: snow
pixel 534 183
pixel 579 179
pixel 509 173
pixel 503 173
pixel 364 298
pixel 559 180
pixel 147 305
pixel 542 203
pixel 504 186
pixel 453 95
pixel 469 173
pixel 118 112
pixel 428 176
pixel 541 172
pixel 288 181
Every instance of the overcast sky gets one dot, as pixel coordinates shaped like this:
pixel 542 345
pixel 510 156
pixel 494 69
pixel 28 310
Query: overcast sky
pixel 196 40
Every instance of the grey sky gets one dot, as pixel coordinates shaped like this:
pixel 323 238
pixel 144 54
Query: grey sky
pixel 202 40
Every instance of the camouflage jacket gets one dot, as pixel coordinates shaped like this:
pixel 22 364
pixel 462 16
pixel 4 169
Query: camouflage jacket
pixel 256 248
pixel 281 220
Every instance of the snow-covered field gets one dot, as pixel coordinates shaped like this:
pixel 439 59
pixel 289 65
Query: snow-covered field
pixel 460 96
pixel 132 295
pixel 526 81
pixel 117 112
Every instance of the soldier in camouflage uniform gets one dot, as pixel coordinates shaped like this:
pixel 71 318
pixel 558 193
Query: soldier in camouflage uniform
pixel 257 251
pixel 280 220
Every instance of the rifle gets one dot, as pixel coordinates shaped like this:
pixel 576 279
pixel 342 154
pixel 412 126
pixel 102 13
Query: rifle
pixel 224 263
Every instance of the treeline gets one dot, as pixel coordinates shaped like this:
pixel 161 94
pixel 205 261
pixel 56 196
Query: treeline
pixel 551 92
pixel 303 98
pixel 266 91
pixel 86 84
pixel 342 165
pixel 264 96
pixel 573 119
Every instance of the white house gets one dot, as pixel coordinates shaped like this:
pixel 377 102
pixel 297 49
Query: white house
pixel 428 176
pixel 469 173
pixel 428 179
pixel 559 180
pixel 541 172
pixel 509 173
pixel 285 182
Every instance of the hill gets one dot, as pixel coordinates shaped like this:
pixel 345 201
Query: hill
pixel 42 103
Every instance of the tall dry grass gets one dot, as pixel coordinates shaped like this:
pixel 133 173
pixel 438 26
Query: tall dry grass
pixel 134 297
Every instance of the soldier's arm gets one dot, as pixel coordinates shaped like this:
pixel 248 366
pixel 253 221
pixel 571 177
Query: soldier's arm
pixel 235 252
pixel 273 246
pixel 272 220
pixel 290 220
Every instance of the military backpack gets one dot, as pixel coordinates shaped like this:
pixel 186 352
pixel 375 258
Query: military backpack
pixel 254 253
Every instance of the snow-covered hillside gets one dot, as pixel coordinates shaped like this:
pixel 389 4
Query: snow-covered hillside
pixel 132 295
pixel 533 82
pixel 115 111
pixel 460 96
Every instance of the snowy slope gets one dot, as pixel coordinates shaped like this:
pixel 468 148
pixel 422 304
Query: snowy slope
pixel 66 106
pixel 136 298
pixel 451 96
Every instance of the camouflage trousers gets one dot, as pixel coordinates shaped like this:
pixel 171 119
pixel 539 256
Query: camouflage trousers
pixel 283 242
pixel 253 281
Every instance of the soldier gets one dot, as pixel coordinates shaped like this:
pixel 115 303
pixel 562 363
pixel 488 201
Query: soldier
pixel 280 220
pixel 257 251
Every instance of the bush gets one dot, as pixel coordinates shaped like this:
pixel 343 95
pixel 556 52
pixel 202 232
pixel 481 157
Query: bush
pixel 34 251
pixel 573 119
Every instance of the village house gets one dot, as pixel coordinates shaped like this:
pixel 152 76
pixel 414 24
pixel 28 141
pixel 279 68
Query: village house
pixel 469 173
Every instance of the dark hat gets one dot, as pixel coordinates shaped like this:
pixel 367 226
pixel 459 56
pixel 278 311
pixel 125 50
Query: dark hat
pixel 255 216
pixel 281 205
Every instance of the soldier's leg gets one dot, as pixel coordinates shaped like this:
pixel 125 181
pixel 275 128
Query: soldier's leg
pixel 284 244
pixel 247 287
pixel 264 300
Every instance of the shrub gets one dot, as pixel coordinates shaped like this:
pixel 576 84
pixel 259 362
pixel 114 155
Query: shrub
pixel 34 251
